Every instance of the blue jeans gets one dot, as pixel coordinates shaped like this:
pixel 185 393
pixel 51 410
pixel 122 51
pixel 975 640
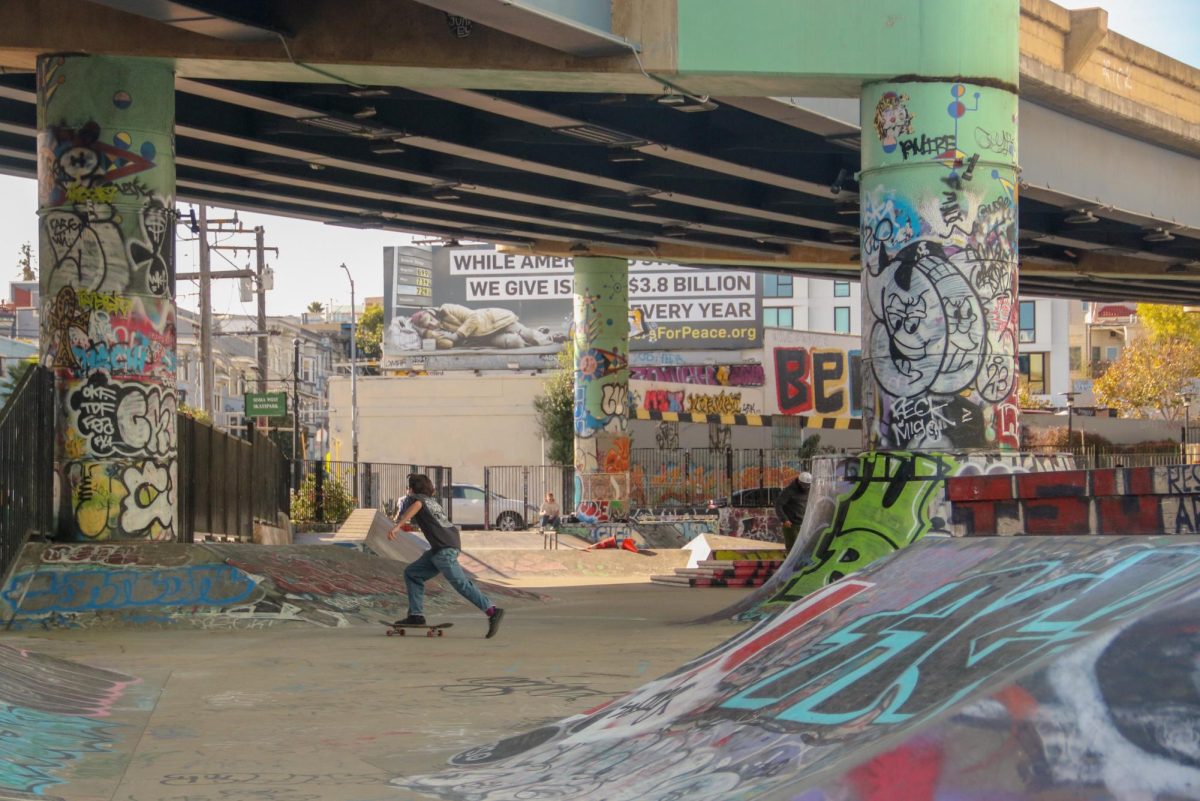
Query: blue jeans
pixel 429 565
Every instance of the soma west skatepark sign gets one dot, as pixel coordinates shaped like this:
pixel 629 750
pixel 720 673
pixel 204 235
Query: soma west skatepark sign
pixel 486 309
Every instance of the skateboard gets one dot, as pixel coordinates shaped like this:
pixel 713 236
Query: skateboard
pixel 431 630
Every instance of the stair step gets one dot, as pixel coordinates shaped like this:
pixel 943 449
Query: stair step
pixel 686 581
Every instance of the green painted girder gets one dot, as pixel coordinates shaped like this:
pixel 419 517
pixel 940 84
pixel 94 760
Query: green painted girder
pixel 834 46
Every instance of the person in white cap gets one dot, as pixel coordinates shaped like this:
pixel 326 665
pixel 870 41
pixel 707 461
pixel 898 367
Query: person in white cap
pixel 790 505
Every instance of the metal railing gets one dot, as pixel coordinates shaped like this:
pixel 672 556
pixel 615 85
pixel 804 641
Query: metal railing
pixel 379 485
pixel 504 485
pixel 226 482
pixel 26 464
pixel 695 476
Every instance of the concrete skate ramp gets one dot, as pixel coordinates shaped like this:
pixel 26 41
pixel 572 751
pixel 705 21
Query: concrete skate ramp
pixel 66 722
pixel 207 585
pixel 406 547
pixel 992 668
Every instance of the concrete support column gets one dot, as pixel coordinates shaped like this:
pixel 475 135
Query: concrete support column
pixel 601 388
pixel 106 207
pixel 939 265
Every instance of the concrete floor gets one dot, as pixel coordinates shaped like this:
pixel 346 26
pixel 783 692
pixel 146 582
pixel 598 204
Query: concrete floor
pixel 303 714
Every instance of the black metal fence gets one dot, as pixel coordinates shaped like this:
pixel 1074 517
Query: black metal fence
pixel 226 482
pixel 26 463
pixel 513 494
pixel 695 476
pixel 379 485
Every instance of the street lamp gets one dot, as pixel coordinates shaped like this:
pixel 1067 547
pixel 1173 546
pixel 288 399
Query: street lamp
pixel 353 384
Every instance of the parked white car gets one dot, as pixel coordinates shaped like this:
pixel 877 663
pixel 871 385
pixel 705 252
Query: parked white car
pixel 506 514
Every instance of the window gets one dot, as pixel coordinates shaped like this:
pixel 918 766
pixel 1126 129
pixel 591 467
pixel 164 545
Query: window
pixel 777 286
pixel 777 317
pixel 1111 353
pixel 841 289
pixel 1028 323
pixel 1075 357
pixel 462 493
pixel 841 319
pixel 308 366
pixel 1032 367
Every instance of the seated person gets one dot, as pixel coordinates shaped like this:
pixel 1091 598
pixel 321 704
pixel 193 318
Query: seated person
pixel 549 511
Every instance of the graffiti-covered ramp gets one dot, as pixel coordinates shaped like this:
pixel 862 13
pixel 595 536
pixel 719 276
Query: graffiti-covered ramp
pixel 208 586
pixel 1065 668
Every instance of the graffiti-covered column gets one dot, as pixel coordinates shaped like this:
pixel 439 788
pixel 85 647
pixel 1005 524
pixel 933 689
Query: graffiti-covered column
pixel 601 388
pixel 939 264
pixel 106 197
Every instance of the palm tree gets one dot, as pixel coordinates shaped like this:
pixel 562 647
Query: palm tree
pixel 316 307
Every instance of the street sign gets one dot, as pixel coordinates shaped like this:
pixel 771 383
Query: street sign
pixel 266 404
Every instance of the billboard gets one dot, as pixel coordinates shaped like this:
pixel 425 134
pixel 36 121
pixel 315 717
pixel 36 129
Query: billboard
pixel 486 302
pixel 407 279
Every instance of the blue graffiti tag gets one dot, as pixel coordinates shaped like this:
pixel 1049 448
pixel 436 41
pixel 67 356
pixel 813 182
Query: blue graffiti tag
pixel 37 745
pixel 98 590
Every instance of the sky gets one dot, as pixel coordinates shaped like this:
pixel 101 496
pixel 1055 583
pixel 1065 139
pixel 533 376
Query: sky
pixel 307 266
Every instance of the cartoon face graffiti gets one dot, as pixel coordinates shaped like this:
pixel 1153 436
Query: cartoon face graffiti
pixel 892 119
pixel 905 317
pixel 928 320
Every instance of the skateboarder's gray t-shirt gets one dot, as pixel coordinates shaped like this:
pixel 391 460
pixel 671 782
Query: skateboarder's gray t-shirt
pixel 433 523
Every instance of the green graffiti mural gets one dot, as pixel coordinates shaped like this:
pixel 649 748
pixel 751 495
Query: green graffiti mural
pixel 886 508
pixel 939 197
pixel 601 341
pixel 106 219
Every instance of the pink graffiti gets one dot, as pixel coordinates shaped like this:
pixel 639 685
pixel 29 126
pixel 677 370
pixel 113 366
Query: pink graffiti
pixel 723 375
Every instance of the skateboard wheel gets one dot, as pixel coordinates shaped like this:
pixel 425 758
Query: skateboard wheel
pixel 401 632
pixel 429 633
pixel 389 632
pixel 441 633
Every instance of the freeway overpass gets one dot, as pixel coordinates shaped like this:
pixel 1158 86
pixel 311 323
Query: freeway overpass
pixel 559 128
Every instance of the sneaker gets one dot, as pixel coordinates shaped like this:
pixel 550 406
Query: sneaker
pixel 411 620
pixel 494 623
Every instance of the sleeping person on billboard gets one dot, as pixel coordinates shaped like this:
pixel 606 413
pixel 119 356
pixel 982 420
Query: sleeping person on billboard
pixel 402 336
pixel 454 326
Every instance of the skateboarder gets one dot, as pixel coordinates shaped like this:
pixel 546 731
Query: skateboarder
pixel 790 505
pixel 442 556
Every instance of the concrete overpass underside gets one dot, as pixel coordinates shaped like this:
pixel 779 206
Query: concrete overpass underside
pixel 515 124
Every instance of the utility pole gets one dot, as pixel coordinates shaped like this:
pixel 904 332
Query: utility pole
pixel 206 358
pixel 206 276
pixel 296 457
pixel 353 385
pixel 260 271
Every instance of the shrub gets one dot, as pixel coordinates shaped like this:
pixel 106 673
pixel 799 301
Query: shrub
pixel 338 503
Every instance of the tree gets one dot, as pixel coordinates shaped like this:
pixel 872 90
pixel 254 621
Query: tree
pixel 316 307
pixel 370 333
pixel 556 408
pixel 16 372
pixel 1169 322
pixel 25 263
pixel 1148 376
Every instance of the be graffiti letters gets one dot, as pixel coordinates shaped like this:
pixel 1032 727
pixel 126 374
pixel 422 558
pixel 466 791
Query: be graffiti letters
pixel 823 381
